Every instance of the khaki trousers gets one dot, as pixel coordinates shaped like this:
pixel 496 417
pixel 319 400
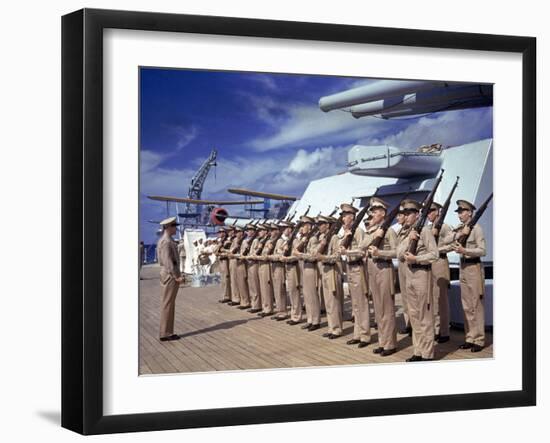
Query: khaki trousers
pixel 440 289
pixel 333 293
pixel 358 291
pixel 254 285
pixel 311 295
pixel 242 282
pixel 381 285
pixel 226 282
pixel 293 287
pixel 419 297
pixel 471 290
pixel 235 295
pixel 169 290
pixel 266 287
pixel 402 272
pixel 278 273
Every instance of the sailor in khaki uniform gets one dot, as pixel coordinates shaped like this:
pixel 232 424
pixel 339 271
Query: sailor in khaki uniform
pixel 253 268
pixel 441 275
pixel 266 279
pixel 419 284
pixel 331 278
pixel 232 255
pixel 278 273
pixel 310 274
pixel 402 233
pixel 357 282
pixel 220 252
pixel 242 272
pixel 381 278
pixel 472 279
pixel 293 276
pixel 170 278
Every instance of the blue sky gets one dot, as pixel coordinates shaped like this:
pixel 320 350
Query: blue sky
pixel 268 129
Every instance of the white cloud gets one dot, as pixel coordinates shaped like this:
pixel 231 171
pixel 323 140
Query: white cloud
pixel 450 128
pixel 308 124
pixel 185 134
pixel 304 160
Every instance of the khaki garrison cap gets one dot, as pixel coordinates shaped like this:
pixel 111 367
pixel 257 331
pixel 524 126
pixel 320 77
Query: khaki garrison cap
pixel 262 227
pixel 411 205
pixel 238 229
pixel 170 221
pixel 346 208
pixel 435 206
pixel 273 226
pixel 376 202
pixel 306 219
pixel 463 204
pixel 325 219
pixel 285 224
pixel 250 226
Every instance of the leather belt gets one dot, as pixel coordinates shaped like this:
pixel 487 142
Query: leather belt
pixel 356 262
pixel 419 266
pixel 380 260
pixel 442 255
pixel 469 261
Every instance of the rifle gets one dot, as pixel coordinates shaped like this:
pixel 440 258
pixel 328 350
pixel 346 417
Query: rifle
pixel 464 238
pixel 334 229
pixel 424 214
pixel 288 247
pixel 290 217
pixel 387 223
pixel 443 213
pixel 346 242
pixel 334 212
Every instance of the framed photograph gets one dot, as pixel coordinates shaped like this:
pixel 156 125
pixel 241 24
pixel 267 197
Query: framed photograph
pixel 269 221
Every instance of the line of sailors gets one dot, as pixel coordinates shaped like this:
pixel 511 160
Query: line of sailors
pixel 258 278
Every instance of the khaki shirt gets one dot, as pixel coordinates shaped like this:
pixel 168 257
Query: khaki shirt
pixel 475 245
pixel 355 252
pixel 426 250
pixel 388 247
pixel 169 261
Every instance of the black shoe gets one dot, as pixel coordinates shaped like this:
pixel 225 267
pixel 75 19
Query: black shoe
pixel 274 317
pixel 232 303
pixel 333 336
pixel 476 348
pixel 223 301
pixel 387 352
pixel 415 358
pixel 242 308
pixel 466 345
pixel 170 338
pixel 313 328
pixel 327 334
pixel 443 339
pixel 282 318
pixel 353 341
pixel 254 311
pixel 362 344
pixel 292 322
pixel 265 314
pixel 306 326
pixel 377 350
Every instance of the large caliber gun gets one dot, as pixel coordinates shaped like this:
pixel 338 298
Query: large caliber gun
pixel 377 242
pixel 413 244
pixel 443 213
pixel 463 238
pixel 346 242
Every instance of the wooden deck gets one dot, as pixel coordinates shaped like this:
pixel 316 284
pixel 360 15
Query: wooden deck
pixel 218 337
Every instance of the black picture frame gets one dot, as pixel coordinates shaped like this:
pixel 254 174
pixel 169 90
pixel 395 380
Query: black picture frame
pixel 82 230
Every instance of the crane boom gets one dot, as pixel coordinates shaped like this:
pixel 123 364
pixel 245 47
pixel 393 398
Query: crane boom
pixel 197 182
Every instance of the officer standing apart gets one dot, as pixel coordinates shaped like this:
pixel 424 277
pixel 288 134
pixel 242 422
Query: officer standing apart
pixel 419 283
pixel 357 282
pixel 381 279
pixel 170 278
pixel 472 279
pixel 441 275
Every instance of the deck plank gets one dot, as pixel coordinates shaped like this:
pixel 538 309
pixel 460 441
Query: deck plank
pixel 217 337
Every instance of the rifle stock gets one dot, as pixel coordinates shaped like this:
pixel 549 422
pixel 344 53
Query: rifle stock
pixel 346 242
pixel 443 213
pixel 413 244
